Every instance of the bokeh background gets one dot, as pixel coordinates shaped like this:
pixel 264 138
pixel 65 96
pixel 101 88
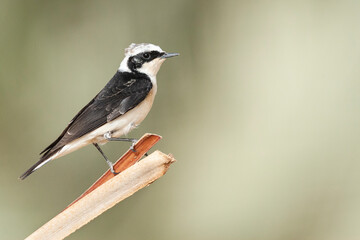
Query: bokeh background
pixel 261 110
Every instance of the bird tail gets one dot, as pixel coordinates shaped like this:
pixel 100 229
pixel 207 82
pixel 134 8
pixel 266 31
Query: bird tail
pixel 34 167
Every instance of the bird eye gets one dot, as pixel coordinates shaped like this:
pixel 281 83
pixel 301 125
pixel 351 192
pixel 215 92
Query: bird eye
pixel 146 55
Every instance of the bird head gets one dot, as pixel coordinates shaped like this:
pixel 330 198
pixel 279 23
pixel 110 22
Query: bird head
pixel 144 58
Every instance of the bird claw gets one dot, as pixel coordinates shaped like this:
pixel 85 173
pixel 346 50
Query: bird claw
pixel 132 147
pixel 111 165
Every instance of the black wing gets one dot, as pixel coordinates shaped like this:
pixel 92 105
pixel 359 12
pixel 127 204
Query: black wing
pixel 122 93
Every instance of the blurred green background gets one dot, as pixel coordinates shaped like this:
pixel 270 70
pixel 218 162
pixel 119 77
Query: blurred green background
pixel 261 110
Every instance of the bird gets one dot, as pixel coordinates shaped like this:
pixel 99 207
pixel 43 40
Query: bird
pixel 117 109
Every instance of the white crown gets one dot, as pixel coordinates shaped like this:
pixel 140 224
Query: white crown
pixel 134 48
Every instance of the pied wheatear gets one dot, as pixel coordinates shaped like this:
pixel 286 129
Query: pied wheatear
pixel 118 108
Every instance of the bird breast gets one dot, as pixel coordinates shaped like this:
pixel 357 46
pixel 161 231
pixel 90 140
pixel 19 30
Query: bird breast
pixel 126 122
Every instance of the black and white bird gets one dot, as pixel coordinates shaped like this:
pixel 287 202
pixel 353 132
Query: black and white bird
pixel 117 109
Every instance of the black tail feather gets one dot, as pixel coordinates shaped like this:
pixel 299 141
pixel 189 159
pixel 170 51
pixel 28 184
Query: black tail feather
pixel 31 169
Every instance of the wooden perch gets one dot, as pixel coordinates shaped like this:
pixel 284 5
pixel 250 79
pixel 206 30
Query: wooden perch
pixel 109 189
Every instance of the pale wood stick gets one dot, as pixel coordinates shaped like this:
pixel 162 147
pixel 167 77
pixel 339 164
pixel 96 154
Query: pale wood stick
pixel 105 196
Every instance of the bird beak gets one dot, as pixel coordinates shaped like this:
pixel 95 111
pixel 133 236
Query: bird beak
pixel 169 55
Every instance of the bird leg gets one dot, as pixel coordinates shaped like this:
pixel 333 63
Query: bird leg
pixel 108 137
pixel 111 165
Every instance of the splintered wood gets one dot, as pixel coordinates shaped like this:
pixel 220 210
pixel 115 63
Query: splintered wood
pixel 109 189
